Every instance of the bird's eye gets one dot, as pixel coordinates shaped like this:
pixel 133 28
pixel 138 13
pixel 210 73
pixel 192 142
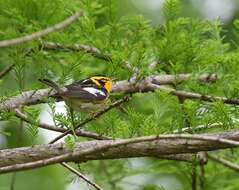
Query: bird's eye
pixel 102 82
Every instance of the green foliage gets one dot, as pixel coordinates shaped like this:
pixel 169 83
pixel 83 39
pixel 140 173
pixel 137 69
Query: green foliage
pixel 171 9
pixel 32 114
pixel 5 133
pixel 181 44
pixel 6 115
pixel 70 142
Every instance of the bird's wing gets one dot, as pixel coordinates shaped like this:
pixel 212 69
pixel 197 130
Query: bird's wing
pixel 84 92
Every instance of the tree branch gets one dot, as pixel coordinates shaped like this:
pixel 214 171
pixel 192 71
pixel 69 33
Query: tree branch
pixel 224 162
pixel 154 146
pixel 198 128
pixel 197 96
pixel 76 47
pixel 88 134
pixel 124 86
pixel 22 116
pixel 80 175
pixel 113 105
pixel 61 25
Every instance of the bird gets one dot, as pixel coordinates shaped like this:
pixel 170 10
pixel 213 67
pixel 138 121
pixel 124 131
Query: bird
pixel 84 95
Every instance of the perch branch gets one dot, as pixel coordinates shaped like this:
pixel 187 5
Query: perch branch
pixel 155 146
pixel 124 86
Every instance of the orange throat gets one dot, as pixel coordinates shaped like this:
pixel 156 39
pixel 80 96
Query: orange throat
pixel 108 86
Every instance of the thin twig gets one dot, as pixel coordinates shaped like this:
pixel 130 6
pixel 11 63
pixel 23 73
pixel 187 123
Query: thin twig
pixel 203 159
pixel 69 131
pixel 198 128
pixel 61 25
pixel 80 175
pixel 18 143
pixel 117 103
pixel 101 55
pixel 6 70
pixel 13 180
pixel 23 117
pixel 90 50
pixel 194 177
pixel 42 125
pixel 76 47
pixel 224 162
pixel 196 96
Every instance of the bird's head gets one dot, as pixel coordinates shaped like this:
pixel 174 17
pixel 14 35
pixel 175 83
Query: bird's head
pixel 103 82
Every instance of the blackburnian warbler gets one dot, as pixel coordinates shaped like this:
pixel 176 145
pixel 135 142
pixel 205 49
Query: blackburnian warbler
pixel 84 95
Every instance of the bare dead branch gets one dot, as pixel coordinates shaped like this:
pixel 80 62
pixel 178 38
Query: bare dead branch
pixel 61 25
pixel 6 70
pixel 224 162
pixel 154 146
pixel 80 175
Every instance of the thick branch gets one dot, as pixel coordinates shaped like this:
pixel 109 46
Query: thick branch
pixel 61 25
pixel 154 146
pixel 22 116
pixel 124 86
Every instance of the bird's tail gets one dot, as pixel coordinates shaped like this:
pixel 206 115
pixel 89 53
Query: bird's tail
pixel 51 84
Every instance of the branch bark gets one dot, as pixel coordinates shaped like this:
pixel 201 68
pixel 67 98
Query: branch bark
pixel 153 146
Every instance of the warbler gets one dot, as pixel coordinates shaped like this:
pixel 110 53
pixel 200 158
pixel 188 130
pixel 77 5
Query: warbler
pixel 85 95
